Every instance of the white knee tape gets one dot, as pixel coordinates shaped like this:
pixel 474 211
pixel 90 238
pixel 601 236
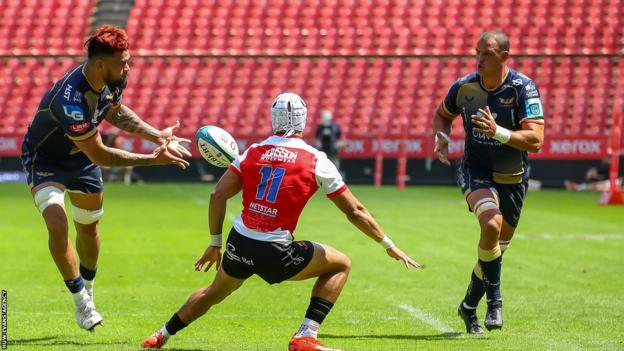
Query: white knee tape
pixel 83 216
pixel 47 196
pixel 484 204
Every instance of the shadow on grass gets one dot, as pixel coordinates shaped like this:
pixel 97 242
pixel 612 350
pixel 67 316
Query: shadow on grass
pixel 55 341
pixel 429 337
pixel 52 341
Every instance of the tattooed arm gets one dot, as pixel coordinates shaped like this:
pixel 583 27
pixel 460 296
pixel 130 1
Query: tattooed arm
pixel 126 119
pixel 103 155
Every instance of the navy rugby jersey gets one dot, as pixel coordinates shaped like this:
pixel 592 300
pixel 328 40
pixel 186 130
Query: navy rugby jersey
pixel 515 101
pixel 70 111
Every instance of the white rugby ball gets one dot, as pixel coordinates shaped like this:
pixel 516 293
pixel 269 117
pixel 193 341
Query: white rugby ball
pixel 216 146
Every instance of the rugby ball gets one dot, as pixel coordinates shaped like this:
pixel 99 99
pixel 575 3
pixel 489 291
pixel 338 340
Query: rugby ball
pixel 216 146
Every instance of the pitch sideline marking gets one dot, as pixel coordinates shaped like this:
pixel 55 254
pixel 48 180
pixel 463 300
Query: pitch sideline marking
pixel 427 318
pixel 582 236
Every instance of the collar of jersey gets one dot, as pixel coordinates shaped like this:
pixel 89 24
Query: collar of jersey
pixel 500 85
pixel 287 137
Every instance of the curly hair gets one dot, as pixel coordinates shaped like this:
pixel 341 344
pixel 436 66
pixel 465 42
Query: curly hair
pixel 106 40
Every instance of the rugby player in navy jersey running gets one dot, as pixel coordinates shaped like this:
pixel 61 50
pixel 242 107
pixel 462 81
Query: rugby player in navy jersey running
pixel 63 151
pixel 503 119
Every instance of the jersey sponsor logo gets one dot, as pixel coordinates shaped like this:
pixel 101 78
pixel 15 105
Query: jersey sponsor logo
pixel 67 92
pixel 534 108
pixel 74 112
pixel 77 96
pixel 506 102
pixel 279 154
pixel 44 174
pixel 263 210
pixel 531 91
pixel 516 82
pixel 80 127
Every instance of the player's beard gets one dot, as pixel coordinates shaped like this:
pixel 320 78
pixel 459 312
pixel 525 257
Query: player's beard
pixel 117 84
pixel 114 84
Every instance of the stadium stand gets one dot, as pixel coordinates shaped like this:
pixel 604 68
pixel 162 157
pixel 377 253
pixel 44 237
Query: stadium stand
pixel 219 62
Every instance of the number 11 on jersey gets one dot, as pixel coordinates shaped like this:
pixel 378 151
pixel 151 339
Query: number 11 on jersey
pixel 273 178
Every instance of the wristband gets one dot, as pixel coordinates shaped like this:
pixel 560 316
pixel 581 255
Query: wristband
pixel 502 134
pixel 386 242
pixel 216 240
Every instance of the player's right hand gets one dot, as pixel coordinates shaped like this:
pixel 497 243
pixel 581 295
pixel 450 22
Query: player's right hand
pixel 399 255
pixel 441 151
pixel 211 256
pixel 162 156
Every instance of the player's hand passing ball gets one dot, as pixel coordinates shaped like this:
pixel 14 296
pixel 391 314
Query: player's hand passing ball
pixel 484 122
pixel 210 257
pixel 162 156
pixel 399 255
pixel 173 142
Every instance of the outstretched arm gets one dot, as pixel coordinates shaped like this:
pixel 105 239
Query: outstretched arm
pixel 126 119
pixel 359 216
pixel 229 185
pixel 103 155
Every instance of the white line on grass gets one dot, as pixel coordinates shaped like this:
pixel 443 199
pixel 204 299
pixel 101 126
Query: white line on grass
pixel 581 236
pixel 199 201
pixel 427 318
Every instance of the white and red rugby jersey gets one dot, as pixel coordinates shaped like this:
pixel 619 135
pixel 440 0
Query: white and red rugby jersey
pixel 279 176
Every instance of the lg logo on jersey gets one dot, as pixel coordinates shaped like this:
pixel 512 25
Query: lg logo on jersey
pixel 74 112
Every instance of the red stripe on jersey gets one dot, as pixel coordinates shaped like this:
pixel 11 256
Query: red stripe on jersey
pixel 337 192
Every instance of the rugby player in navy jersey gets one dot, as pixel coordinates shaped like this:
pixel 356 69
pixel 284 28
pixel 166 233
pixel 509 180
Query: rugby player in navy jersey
pixel 503 119
pixel 63 151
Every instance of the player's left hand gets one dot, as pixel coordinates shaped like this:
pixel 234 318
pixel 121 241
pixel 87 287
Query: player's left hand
pixel 211 256
pixel 173 142
pixel 484 122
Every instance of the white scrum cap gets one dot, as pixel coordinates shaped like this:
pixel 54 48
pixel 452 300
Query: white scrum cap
pixel 288 113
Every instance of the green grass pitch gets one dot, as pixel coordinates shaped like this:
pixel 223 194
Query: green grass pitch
pixel 562 277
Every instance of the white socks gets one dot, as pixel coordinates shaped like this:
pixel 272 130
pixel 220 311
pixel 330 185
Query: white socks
pixel 165 332
pixel 308 328
pixel 80 297
pixel 89 285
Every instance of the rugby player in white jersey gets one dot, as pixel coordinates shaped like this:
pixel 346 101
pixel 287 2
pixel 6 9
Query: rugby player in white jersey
pixel 277 177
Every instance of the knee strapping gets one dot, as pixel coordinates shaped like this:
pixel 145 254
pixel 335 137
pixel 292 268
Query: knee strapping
pixel 48 196
pixel 485 204
pixel 83 216
pixel 504 245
